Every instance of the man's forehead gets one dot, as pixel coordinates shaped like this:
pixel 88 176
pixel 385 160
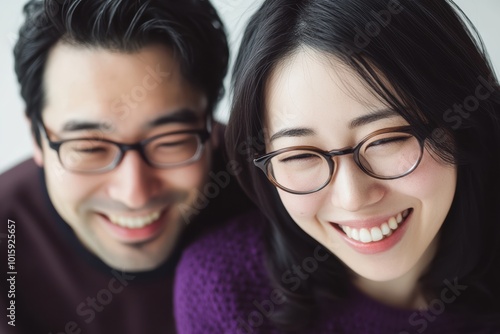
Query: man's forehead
pixel 113 91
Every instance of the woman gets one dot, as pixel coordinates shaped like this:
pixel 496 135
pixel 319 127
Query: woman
pixel 368 133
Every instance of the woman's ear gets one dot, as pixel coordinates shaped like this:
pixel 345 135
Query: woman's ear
pixel 37 150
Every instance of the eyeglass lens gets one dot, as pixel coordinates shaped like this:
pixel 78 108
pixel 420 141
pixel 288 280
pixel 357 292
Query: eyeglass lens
pixel 94 155
pixel 387 155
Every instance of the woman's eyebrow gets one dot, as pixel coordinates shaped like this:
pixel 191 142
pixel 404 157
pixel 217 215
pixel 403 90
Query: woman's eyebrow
pixel 294 132
pixel 372 117
pixel 357 122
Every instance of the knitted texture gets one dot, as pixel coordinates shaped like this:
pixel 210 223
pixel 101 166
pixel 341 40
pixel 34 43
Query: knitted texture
pixel 222 287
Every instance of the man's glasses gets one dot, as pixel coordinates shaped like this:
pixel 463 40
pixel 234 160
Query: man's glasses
pixel 92 155
pixel 385 154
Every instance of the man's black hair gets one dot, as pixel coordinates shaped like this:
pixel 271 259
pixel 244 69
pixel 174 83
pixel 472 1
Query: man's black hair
pixel 192 29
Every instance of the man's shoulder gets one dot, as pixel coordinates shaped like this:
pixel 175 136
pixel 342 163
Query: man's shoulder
pixel 20 185
pixel 23 200
pixel 19 174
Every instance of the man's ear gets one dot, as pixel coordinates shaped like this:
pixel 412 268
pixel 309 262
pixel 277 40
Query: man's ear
pixel 37 150
pixel 217 134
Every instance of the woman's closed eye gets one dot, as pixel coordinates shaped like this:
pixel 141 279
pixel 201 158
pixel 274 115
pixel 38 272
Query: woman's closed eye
pixel 302 157
pixel 389 140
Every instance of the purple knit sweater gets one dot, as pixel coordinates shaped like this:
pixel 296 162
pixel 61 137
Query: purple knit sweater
pixel 222 287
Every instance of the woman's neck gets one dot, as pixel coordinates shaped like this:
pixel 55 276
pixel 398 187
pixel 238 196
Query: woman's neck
pixel 404 291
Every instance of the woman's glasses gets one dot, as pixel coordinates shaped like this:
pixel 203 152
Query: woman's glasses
pixel 385 154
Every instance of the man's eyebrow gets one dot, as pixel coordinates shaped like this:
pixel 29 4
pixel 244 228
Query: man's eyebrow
pixel 372 117
pixel 75 125
pixel 186 116
pixel 294 132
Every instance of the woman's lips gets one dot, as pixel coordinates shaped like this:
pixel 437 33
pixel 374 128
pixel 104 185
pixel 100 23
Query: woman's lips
pixel 377 236
pixel 374 231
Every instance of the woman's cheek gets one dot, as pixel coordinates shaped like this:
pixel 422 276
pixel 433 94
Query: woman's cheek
pixel 431 178
pixel 300 206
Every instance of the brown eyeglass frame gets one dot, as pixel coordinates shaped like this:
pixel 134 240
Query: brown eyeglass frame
pixel 263 161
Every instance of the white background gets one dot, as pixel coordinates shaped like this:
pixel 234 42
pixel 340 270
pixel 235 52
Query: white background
pixel 15 142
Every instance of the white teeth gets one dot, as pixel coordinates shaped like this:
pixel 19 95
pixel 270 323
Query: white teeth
pixel 134 222
pixel 385 229
pixel 347 230
pixel 393 224
pixel 376 233
pixel 354 234
pixel 365 236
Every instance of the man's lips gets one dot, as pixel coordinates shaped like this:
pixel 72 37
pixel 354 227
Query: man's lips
pixel 135 228
pixel 135 221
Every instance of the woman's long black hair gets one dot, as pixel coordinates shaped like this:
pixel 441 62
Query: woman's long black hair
pixel 423 58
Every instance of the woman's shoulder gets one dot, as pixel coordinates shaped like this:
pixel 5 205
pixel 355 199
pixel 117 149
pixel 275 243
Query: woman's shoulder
pixel 233 241
pixel 232 252
pixel 220 275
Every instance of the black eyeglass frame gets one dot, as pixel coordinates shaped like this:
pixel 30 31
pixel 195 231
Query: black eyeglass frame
pixel 262 161
pixel 203 135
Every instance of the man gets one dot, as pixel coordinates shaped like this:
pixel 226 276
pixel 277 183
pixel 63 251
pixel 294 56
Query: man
pixel 119 97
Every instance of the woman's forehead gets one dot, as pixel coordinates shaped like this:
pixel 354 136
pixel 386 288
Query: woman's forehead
pixel 311 84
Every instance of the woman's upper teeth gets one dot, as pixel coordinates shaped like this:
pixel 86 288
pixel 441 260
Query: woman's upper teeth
pixel 375 233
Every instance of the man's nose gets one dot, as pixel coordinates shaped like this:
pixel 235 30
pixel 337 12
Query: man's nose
pixel 134 183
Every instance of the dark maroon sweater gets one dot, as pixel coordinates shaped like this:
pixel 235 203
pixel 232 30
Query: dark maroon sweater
pixel 60 287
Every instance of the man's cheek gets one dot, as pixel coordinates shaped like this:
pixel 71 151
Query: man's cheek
pixel 71 193
pixel 188 177
pixel 53 168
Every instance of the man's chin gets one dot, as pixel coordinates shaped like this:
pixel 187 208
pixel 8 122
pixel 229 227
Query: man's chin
pixel 126 265
pixel 136 248
pixel 137 259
